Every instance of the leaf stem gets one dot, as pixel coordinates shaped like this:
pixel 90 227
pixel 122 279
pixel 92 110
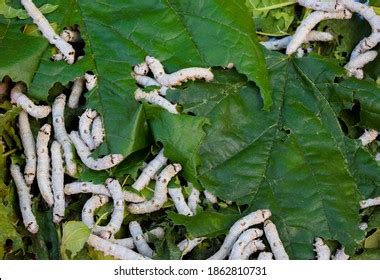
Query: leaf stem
pixel 9 153
pixel 276 6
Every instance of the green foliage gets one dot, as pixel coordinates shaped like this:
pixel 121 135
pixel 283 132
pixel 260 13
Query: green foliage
pixel 74 237
pixel 9 12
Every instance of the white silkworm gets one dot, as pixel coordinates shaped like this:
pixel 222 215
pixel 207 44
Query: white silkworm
pixel 85 122
pixel 141 69
pixel 265 256
pixel 368 136
pixel 86 187
pixel 359 62
pixel 150 170
pixel 84 154
pixel 179 77
pixel 363 226
pixel 118 210
pixel 238 227
pixel 322 250
pixel 179 201
pixel 57 57
pixel 154 97
pixel 29 145
pixel 17 97
pixel 340 255
pixel 210 197
pixel 97 131
pixel 139 240
pixel 57 178
pixel 193 200
pixel 128 242
pixel 24 198
pixel 48 32
pixel 251 248
pixel 76 92
pixel 70 36
pixel 187 245
pixel 117 251
pixel 309 23
pixel 243 240
pixel 160 192
pixel 145 81
pixel 58 114
pixel 283 43
pixel 370 202
pixel 91 80
pixel 89 208
pixel 43 164
pixel 274 241
pixel 366 44
pixel 322 5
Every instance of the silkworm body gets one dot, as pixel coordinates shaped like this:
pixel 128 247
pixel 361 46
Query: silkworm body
pixel 86 187
pixel 251 248
pixel 97 131
pixel 274 241
pixel 359 62
pixel 57 177
pixel 193 200
pixel 366 44
pixel 89 208
pixel 19 98
pixel 90 80
pixel 141 69
pixel 320 5
pixel 187 245
pixel 210 197
pixel 322 250
pixel 160 192
pixel 58 114
pixel 139 240
pixel 25 200
pixel 76 92
pixel 129 243
pixel 145 81
pixel 43 164
pixel 363 226
pixel 117 251
pixel 370 202
pixel 48 32
pixel 85 122
pixel 265 256
pixel 155 98
pixel 150 170
pixel 84 154
pixel 238 227
pixel 340 255
pixel 179 201
pixel 368 136
pixel 243 240
pixel 70 36
pixel 29 146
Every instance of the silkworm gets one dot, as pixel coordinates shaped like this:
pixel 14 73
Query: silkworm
pixel 141 69
pixel 251 248
pixel 265 256
pixel 187 245
pixel 128 242
pixel 20 99
pixel 274 241
pixel 29 146
pixel 150 170
pixel 160 192
pixel 322 250
pixel 117 251
pixel 57 178
pixel 155 98
pixel 359 62
pixel 363 226
pixel 90 80
pixel 43 164
pixel 179 201
pixel 193 200
pixel 370 202
pixel 84 154
pixel 76 92
pixel 340 255
pixel 246 237
pixel 238 227
pixel 210 197
pixel 97 131
pixel 368 136
pixel 320 5
pixel 85 122
pixel 89 208
pixel 145 81
pixel 48 32
pixel 139 240
pixel 70 36
pixel 60 133
pixel 25 200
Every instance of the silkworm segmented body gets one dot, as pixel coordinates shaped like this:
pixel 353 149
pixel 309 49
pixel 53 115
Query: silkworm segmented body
pixel 322 250
pixel 179 201
pixel 85 122
pixel 139 240
pixel 274 241
pixel 57 177
pixel 246 237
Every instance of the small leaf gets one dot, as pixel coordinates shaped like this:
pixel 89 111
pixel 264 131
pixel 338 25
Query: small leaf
pixel 75 235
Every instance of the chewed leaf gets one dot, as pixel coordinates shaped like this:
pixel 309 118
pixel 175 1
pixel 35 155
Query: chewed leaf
pixel 75 235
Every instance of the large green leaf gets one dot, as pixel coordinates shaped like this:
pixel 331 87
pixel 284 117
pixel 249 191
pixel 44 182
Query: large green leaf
pixel 75 235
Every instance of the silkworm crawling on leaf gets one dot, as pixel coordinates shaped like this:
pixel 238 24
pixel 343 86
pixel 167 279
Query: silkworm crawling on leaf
pixel 89 208
pixel 57 178
pixel 370 202
pixel 60 133
pixel 193 200
pixel 274 241
pixel 145 81
pixel 90 79
pixel 238 227
pixel 210 197
pixel 309 23
pixel 160 192
pixel 363 226
pixel 76 92
pixel 70 36
pixel 24 198
pixel 111 249
pixel 29 146
pixel 154 97
pixel 322 250
pixel 244 239
pixel 179 77
pixel 97 131
pixel 354 66
pixel 251 248
pixel 85 122
pixel 48 32
pixel 84 154
pixel 118 210
pixel 20 99
pixel 340 255
pixel 139 240
pixel 265 256
pixel 43 164
pixel 150 170
pixel 187 245
pixel 321 5
pixel 179 201
pixel 129 243
pixel 368 136
pixel 141 69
